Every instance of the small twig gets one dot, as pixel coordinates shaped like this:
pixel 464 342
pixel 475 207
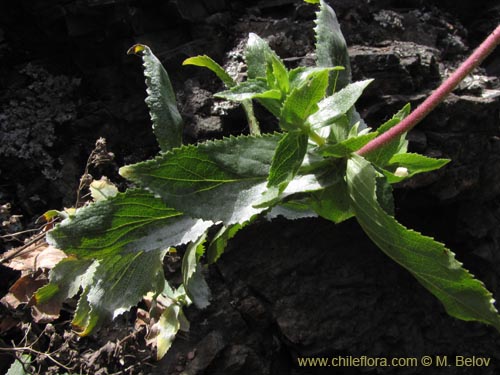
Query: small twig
pixel 34 351
pixel 19 251
pixel 13 236
pixel 437 96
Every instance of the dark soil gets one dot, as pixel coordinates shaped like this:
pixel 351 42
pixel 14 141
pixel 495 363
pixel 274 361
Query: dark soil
pixel 283 289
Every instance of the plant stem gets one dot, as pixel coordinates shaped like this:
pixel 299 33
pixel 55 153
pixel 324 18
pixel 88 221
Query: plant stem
pixel 437 96
pixel 316 138
pixel 253 124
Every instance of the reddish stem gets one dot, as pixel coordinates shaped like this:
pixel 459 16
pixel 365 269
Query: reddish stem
pixel 437 96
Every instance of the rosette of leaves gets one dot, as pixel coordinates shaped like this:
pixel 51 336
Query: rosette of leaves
pixel 116 245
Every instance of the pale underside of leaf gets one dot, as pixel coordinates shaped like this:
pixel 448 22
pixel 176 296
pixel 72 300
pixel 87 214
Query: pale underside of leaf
pixel 129 222
pixel 217 180
pixel 119 282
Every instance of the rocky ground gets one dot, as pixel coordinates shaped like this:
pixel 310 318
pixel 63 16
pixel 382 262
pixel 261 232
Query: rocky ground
pixel 283 289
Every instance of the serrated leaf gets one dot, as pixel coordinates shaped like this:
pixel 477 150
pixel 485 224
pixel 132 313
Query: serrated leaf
pixel 430 262
pixel 251 89
pixel 220 240
pixel 207 62
pixel 347 147
pixel 337 105
pixel 66 279
pixel 219 180
pixel 167 121
pixel 120 281
pixel 126 236
pixel 258 55
pixel 286 162
pixel 287 159
pixel 331 48
pixel 129 222
pixel 412 164
pixel 381 156
pixel 20 366
pixel 194 283
pixel 332 203
pixel 277 74
pixel 302 100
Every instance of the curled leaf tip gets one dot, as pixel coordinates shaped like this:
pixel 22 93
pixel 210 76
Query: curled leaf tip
pixel 136 49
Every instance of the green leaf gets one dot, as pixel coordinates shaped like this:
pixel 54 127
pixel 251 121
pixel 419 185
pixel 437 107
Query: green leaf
pixel 207 62
pixel 286 162
pixel 331 48
pixel 66 279
pixel 347 147
pixel 258 55
pixel 167 121
pixel 333 203
pixel 194 283
pixel 430 262
pixel 385 196
pixel 221 180
pixel 220 240
pixel 302 74
pixel 217 180
pixel 277 74
pixel 382 155
pixel 312 1
pixel 129 222
pixel 126 236
pixel 337 105
pixel 21 366
pixel 120 282
pixel 302 100
pixel 403 166
pixel 251 89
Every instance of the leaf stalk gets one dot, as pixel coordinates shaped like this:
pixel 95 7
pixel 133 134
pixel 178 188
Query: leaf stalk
pixel 486 47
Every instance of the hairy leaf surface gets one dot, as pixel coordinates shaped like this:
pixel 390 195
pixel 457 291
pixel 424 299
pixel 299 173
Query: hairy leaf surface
pixel 331 48
pixel 430 262
pixel 129 222
pixel 251 89
pixel 220 180
pixel 337 105
pixel 287 159
pixel 120 282
pixel 302 100
pixel 167 121
pixel 258 56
